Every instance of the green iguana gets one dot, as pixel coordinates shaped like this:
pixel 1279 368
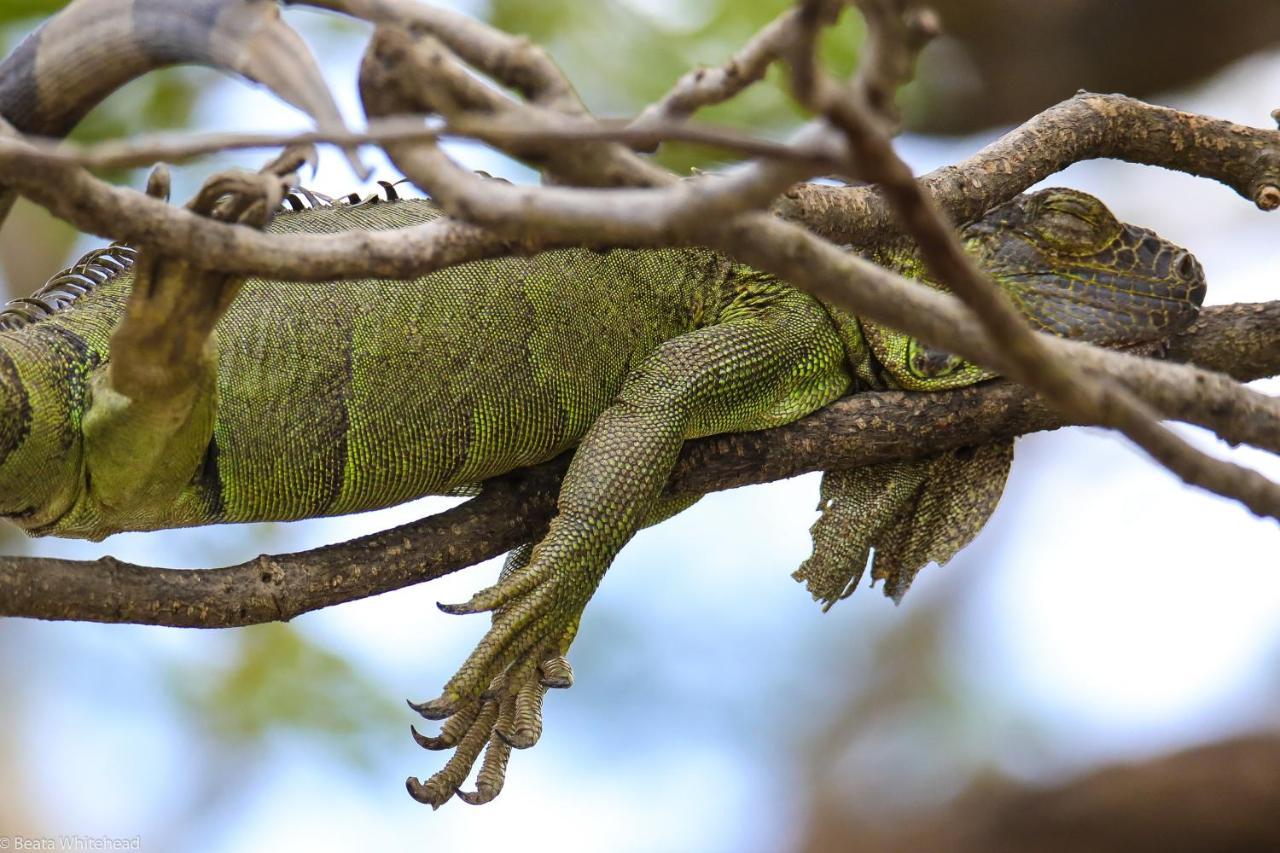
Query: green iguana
pixel 140 392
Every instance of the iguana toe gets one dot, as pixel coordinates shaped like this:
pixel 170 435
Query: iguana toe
pixel 556 673
pixel 508 716
pixel 437 790
pixel 492 775
pixel 525 726
pixel 452 732
pixel 493 597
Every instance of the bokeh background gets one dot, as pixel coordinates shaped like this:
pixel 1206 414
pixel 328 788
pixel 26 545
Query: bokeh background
pixel 1107 613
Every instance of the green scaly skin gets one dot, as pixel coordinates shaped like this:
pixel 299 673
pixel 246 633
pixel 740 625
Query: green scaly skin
pixel 172 396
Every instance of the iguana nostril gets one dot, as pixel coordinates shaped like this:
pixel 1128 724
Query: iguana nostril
pixel 1186 265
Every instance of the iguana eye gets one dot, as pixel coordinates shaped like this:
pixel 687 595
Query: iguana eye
pixel 925 362
pixel 1073 222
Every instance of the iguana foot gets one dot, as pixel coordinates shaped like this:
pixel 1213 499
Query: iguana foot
pixel 518 660
pixel 507 716
pixel 536 604
pixel 903 516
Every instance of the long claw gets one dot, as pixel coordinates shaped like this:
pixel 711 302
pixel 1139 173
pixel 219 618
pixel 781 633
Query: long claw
pixel 454 729
pixel 430 792
pixel 427 742
pixel 463 608
pixel 436 709
pixel 440 787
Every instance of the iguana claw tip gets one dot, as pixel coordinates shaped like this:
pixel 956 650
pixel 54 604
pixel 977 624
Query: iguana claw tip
pixel 434 744
pixel 518 739
pixel 426 794
pixel 461 609
pixel 436 709
pixel 481 795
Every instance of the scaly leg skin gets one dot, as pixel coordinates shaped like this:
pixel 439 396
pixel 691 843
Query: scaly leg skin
pixel 152 410
pixel 911 513
pixel 773 358
pixel 518 724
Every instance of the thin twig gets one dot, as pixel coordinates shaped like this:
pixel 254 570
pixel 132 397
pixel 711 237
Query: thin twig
pixel 141 151
pixel 703 87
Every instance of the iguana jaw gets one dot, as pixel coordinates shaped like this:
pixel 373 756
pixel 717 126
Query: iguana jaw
pixel 1074 270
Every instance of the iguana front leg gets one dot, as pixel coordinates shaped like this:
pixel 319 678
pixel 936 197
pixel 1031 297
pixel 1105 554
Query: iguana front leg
pixel 151 412
pixel 773 358
pixel 516 701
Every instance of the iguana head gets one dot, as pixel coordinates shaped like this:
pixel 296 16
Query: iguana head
pixel 1072 268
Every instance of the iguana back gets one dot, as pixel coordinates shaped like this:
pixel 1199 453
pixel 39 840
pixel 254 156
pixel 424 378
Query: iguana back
pixel 348 396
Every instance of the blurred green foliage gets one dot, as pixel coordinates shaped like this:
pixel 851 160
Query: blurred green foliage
pixel 18 10
pixel 278 679
pixel 625 54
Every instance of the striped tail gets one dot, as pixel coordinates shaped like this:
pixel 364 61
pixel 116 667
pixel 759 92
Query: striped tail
pixel 93 47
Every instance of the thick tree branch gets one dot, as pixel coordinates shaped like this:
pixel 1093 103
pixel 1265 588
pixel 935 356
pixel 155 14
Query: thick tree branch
pixel 1086 127
pixel 1243 340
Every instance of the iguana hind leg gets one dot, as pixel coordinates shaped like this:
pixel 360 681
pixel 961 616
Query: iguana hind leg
pixel 902 516
pixel 151 412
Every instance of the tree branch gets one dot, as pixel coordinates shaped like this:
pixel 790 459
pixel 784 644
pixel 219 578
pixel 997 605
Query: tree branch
pixel 1085 127
pixel 1243 340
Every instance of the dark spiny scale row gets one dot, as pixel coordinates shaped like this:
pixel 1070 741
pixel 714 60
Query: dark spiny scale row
pixel 92 271
pixel 302 198
pixel 100 266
